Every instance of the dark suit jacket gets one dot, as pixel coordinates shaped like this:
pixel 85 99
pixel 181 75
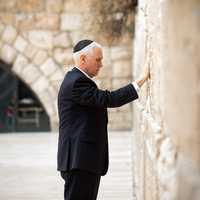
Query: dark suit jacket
pixel 83 140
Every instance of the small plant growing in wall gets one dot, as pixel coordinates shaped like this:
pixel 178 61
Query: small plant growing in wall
pixel 114 18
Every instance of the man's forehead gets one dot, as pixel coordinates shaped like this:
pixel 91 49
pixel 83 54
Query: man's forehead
pixel 98 50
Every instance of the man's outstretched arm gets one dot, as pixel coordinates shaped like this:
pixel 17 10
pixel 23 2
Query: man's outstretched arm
pixel 85 93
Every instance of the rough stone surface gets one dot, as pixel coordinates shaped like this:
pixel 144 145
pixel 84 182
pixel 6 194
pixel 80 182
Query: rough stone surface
pixel 8 53
pixel 25 22
pixel 19 64
pixel 69 6
pixel 41 39
pixel 8 5
pixel 62 40
pixel 53 6
pixel 37 37
pixel 1 28
pixel 30 5
pixel 121 52
pixel 166 128
pixel 122 68
pixel 7 18
pixel 40 85
pixel 71 21
pixel 57 76
pixel 20 44
pixel 31 73
pixel 49 67
pixel 47 21
pixel 9 34
pixel 30 51
pixel 63 57
pixel 40 57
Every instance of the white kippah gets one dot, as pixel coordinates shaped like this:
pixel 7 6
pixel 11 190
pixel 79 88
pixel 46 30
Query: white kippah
pixel 85 49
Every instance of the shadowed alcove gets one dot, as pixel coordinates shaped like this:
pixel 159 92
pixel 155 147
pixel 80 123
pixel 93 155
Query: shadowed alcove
pixel 20 109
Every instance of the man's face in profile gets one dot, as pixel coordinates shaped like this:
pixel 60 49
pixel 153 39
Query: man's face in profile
pixel 94 61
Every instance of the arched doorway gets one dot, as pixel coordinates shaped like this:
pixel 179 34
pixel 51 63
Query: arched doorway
pixel 20 109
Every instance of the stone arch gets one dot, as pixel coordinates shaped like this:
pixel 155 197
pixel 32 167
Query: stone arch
pixel 34 66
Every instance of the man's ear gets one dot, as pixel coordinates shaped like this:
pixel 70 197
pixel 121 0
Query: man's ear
pixel 82 58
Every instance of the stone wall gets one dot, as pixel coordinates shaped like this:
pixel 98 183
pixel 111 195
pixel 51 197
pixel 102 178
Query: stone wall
pixel 37 36
pixel 166 119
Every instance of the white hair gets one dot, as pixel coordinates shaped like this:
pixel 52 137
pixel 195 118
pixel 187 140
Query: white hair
pixel 86 50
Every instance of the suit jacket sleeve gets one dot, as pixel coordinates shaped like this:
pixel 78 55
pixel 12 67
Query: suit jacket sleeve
pixel 85 92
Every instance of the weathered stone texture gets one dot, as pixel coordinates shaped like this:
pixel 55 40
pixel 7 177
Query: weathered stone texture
pixel 8 18
pixel 20 63
pixel 81 6
pixel 71 21
pixel 8 5
pixel 49 67
pixel 41 39
pixel 40 57
pixel 63 56
pixel 31 74
pixel 30 5
pixel 40 85
pixel 30 51
pixel 37 37
pixel 166 118
pixel 9 34
pixel 62 40
pixel 53 6
pixel 8 53
pixel 47 21
pixel 20 44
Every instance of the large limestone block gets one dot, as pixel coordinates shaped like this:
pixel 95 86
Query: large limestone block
pixel 7 18
pixel 41 39
pixel 8 5
pixel 47 21
pixel 82 6
pixel 30 51
pixel 40 85
pixel 122 68
pixel 53 6
pixel 62 40
pixel 20 63
pixel 63 57
pixel 1 28
pixel 76 35
pixel 20 44
pixel 71 21
pixel 25 22
pixel 121 52
pixel 49 67
pixel 30 5
pixel 40 57
pixel 9 34
pixel 8 53
pixel 57 76
pixel 31 73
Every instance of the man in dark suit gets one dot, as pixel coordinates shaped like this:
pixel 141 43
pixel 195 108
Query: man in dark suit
pixel 83 142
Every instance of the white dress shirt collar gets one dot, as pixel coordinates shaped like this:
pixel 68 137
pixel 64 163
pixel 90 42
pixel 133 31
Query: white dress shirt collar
pixel 83 72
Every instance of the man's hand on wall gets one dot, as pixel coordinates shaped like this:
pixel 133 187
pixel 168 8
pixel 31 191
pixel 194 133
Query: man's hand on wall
pixel 145 76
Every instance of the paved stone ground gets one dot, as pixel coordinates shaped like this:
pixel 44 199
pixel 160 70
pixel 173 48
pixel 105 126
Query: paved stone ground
pixel 28 168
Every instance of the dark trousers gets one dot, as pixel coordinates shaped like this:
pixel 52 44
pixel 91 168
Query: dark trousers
pixel 80 185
